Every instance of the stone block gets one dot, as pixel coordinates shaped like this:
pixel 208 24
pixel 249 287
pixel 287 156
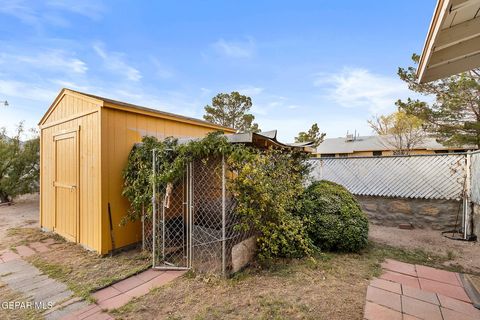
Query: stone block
pixel 243 252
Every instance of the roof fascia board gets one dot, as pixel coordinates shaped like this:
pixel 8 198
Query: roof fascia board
pixel 435 25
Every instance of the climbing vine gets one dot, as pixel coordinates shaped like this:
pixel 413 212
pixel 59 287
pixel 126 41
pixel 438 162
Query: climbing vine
pixel 267 185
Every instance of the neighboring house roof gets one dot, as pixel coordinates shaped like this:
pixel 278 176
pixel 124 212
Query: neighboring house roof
pixel 110 103
pixel 372 143
pixel 452 45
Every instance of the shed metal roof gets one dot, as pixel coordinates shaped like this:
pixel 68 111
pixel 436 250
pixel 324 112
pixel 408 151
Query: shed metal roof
pixel 452 45
pixel 260 139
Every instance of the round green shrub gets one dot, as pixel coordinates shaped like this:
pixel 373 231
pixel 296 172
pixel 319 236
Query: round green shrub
pixel 333 217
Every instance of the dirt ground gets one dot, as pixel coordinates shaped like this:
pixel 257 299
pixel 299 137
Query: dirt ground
pixel 23 213
pixel 332 288
pixel 461 253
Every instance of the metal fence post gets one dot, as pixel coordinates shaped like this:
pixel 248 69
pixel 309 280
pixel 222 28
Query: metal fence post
pixel 466 202
pixel 191 211
pixel 223 218
pixel 143 228
pixel 154 207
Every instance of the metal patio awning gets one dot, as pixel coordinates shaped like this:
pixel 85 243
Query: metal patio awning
pixel 453 40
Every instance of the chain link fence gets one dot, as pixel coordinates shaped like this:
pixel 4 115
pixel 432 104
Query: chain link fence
pixel 194 224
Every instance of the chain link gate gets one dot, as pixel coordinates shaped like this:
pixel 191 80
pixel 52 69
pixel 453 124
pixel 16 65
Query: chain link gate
pixel 171 222
pixel 193 221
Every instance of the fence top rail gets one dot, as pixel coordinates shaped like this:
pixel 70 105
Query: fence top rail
pixel 398 156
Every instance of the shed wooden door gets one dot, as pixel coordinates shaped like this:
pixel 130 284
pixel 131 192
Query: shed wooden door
pixel 66 185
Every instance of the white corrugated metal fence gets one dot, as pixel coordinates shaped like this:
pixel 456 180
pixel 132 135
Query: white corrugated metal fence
pixel 439 176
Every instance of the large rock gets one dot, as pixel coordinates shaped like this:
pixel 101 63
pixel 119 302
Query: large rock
pixel 243 252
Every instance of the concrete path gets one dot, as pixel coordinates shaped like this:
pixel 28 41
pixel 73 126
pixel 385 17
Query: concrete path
pixel 46 293
pixel 409 292
pixel 57 300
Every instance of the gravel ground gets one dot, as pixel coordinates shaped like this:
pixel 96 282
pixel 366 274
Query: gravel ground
pixel 465 254
pixel 23 213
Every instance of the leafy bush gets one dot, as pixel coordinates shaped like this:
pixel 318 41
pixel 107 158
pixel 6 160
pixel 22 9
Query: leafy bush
pixel 19 164
pixel 267 187
pixel 333 217
pixel 266 184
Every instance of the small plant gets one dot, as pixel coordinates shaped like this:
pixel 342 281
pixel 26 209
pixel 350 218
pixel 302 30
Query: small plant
pixel 333 217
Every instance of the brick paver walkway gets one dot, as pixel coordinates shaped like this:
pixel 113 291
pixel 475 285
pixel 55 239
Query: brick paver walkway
pixel 122 292
pixel 410 292
pixel 22 277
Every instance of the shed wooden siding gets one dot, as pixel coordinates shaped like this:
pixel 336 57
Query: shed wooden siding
pixel 59 120
pixel 120 131
pixel 101 134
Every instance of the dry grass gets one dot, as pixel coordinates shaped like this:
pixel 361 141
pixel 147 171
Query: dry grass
pixel 331 286
pixel 83 271
pixel 23 236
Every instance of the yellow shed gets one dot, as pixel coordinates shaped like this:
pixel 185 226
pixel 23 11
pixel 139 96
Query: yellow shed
pixel 85 141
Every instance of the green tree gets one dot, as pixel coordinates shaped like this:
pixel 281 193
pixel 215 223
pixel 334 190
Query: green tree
pixel 19 164
pixel 454 115
pixel 312 135
pixel 401 132
pixel 231 110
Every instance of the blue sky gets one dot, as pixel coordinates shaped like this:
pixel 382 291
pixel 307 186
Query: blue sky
pixel 330 62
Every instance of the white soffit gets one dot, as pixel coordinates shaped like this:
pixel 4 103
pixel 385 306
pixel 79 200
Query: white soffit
pixel 453 40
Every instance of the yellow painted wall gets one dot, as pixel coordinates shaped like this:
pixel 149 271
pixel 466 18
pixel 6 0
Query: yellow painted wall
pixel 120 131
pixel 89 160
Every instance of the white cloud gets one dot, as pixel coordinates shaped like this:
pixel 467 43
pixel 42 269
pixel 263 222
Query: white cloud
pixel 161 70
pixel 19 9
pixel 115 62
pixel 235 49
pixel 250 91
pixel 53 59
pixel 37 13
pixel 24 90
pixel 91 9
pixel 357 87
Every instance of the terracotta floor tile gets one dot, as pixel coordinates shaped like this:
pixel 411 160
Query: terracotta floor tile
pixel 9 256
pixel 419 294
pixel 164 278
pixel 400 278
pixel 437 275
pixel 444 288
pixel 149 274
pixel 454 315
pixel 49 241
pixel 400 267
pixel 99 316
pixel 376 312
pixel 128 284
pixel 115 302
pixel 420 309
pixel 384 298
pixel 139 291
pixel 85 309
pixel 104 294
pixel 25 251
pixel 386 285
pixel 410 317
pixel 459 306
pixel 41 249
pixel 86 314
